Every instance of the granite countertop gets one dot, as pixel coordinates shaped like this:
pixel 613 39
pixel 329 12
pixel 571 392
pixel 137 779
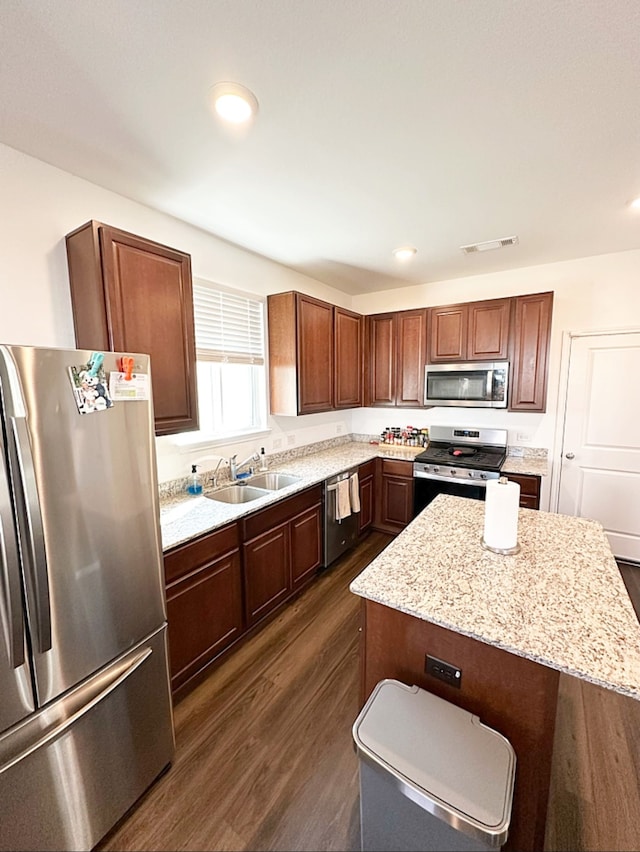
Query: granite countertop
pixel 184 517
pixel 533 466
pixel 560 601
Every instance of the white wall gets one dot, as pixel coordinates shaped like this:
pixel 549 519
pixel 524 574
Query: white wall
pixel 39 204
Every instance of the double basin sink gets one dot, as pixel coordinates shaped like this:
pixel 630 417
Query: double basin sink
pixel 260 485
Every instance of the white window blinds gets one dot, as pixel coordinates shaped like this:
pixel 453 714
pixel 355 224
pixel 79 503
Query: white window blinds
pixel 229 326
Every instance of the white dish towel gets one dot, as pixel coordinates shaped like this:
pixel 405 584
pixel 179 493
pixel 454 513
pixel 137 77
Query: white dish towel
pixel 343 503
pixel 354 492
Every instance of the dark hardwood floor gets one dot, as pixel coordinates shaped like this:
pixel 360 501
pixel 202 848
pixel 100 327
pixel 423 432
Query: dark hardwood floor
pixel 631 576
pixel 265 759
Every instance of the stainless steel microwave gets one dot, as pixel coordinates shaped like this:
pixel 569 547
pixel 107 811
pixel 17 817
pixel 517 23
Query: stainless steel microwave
pixel 479 384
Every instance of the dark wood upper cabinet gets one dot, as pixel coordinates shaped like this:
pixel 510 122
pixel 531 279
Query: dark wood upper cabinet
pixel 488 330
pixel 301 354
pixel 322 357
pixel 133 295
pixel 315 355
pixel 473 331
pixel 530 340
pixel 382 360
pixel 448 333
pixel 397 355
pixel 348 344
pixel 411 357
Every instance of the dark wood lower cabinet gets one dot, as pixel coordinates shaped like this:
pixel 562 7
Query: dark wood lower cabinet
pixel 266 572
pixel 204 602
pixel 366 478
pixel 306 545
pixel 282 549
pixel 394 487
pixel 221 585
pixel 529 489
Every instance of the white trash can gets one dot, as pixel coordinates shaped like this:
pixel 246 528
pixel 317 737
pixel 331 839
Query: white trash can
pixel 432 776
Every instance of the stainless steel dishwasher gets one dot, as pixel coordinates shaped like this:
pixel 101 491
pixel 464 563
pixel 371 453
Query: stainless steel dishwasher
pixel 339 535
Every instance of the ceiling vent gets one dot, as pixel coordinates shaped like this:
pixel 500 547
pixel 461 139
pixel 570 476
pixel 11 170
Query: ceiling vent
pixel 490 244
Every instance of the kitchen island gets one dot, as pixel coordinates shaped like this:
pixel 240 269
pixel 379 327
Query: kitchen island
pixel 509 623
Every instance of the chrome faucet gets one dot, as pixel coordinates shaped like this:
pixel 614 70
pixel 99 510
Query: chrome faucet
pixel 214 478
pixel 234 466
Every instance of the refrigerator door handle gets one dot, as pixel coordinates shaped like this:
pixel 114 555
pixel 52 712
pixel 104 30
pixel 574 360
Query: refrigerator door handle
pixel 34 534
pixel 39 730
pixel 10 575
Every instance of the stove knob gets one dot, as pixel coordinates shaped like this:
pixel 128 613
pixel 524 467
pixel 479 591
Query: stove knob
pixel 435 469
pixel 453 472
pixel 483 476
pixel 471 473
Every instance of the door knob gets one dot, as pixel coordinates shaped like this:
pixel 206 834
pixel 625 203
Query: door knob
pixel 569 456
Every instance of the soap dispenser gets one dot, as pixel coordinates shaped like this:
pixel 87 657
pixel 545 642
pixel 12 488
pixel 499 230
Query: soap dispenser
pixel 263 459
pixel 194 485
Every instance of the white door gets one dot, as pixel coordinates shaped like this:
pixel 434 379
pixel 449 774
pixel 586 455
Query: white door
pixel 600 468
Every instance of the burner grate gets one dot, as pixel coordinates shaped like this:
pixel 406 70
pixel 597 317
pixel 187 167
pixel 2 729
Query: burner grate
pixel 482 460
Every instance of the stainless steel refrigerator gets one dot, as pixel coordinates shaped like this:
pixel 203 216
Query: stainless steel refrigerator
pixel 85 702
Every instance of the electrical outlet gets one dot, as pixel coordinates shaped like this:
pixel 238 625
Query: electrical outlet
pixel 523 437
pixel 443 671
pixel 277 443
pixel 291 440
pixel 339 429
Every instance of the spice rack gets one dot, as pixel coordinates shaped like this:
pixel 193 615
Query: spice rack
pixel 409 436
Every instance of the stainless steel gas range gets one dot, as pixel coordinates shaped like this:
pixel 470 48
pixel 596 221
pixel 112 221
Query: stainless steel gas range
pixel 459 460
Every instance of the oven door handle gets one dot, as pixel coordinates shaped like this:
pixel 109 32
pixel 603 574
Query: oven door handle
pixel 419 474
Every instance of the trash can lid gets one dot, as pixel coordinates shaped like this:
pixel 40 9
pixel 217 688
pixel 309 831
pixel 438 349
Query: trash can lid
pixel 441 757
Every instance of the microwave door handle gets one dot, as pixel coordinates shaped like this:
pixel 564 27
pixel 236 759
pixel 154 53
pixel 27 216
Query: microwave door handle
pixel 33 532
pixel 10 577
pixel 490 384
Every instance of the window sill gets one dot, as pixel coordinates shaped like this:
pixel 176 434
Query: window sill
pixel 188 442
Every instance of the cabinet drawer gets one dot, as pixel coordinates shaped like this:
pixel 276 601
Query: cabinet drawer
pixel 527 502
pixel 529 489
pixel 397 467
pixel 193 554
pixel 366 469
pixel 283 511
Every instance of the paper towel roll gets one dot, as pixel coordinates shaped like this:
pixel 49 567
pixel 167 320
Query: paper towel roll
pixel 501 514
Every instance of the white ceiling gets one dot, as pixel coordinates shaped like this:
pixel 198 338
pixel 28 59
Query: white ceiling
pixel 382 122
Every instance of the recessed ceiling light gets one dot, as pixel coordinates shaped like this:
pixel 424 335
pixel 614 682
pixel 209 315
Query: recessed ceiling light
pixel 635 204
pixel 404 252
pixel 234 102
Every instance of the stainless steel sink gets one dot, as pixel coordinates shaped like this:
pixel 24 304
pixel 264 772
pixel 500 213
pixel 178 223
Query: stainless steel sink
pixel 273 481
pixel 238 494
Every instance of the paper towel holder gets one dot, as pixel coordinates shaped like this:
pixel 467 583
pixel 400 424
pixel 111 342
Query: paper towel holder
pixel 504 551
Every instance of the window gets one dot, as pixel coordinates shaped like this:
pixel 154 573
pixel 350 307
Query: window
pixel 230 361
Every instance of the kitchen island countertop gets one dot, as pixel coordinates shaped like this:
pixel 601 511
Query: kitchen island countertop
pixel 560 601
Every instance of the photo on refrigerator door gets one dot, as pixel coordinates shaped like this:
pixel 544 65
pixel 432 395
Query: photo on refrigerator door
pixel 90 389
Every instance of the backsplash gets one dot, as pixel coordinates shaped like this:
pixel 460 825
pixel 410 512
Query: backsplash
pixel 527 452
pixel 175 487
